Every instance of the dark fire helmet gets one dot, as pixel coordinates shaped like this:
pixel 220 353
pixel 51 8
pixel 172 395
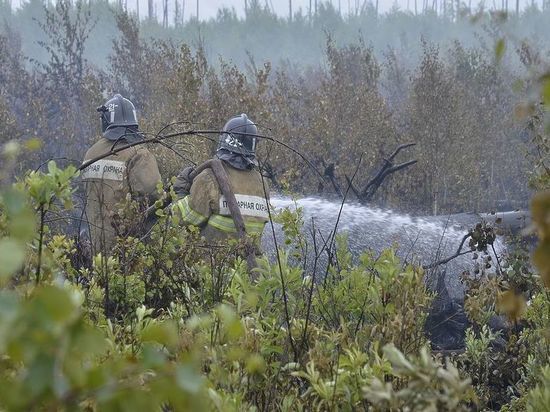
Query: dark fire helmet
pixel 117 115
pixel 238 136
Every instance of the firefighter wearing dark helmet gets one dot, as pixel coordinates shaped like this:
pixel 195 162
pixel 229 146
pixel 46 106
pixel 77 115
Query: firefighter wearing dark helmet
pixel 108 181
pixel 203 203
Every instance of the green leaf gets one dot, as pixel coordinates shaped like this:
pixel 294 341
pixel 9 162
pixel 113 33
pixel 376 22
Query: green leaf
pixel 255 364
pixel 12 257
pixel 500 48
pixel 165 333
pixel 97 378
pixel 40 375
pixel 90 341
pixel 271 349
pixel 546 92
pixel 23 226
pixel 152 357
pixel 540 212
pixel 9 306
pixel 231 323
pixel 52 167
pixel 14 201
pixel 188 379
pixel 55 303
pixel 33 144
pixel 397 359
pixel 541 259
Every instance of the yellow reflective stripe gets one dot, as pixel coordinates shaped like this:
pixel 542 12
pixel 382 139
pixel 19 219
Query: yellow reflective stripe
pixel 188 214
pixel 255 227
pixel 226 224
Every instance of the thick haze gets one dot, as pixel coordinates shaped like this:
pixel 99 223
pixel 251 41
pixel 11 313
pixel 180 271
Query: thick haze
pixel 336 85
pixel 302 41
pixel 209 8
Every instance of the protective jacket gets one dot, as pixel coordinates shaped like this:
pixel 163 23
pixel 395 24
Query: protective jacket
pixel 131 171
pixel 207 207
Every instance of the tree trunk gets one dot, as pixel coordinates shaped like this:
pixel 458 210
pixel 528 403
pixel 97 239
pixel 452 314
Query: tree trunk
pixel 290 10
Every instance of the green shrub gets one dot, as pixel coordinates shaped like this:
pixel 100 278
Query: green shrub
pixel 168 323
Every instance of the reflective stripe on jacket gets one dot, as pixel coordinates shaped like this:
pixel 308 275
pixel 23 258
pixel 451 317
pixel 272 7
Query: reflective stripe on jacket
pixel 206 207
pixel 108 181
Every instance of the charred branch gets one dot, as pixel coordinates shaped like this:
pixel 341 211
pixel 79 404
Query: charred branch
pixel 329 174
pixel 459 252
pixel 367 193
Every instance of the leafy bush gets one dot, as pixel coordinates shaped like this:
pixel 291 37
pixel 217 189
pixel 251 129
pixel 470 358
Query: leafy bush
pixel 166 322
pixel 212 336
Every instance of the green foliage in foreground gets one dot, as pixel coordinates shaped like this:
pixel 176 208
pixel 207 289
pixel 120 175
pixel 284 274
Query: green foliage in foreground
pixel 165 324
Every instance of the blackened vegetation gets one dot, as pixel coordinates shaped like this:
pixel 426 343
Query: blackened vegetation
pixel 367 193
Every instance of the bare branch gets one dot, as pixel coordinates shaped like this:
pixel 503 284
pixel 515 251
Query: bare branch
pixel 459 252
pixel 387 169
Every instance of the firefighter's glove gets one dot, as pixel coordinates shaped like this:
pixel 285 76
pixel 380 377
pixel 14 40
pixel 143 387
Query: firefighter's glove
pixel 182 186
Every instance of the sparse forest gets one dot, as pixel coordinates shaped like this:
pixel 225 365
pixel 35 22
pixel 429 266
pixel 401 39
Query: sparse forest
pixel 169 323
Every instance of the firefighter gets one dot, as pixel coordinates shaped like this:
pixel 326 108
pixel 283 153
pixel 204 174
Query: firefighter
pixel 108 181
pixel 203 202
